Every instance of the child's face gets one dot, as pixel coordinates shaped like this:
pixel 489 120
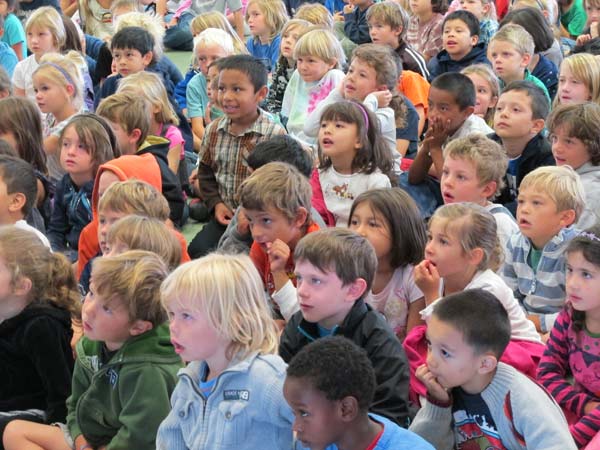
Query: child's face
pixel 51 97
pixel 457 39
pixel 288 41
pixel 593 12
pixel 538 216
pixel 271 224
pixel 568 149
pixel 207 54
pixel 360 81
pixel 460 182
pixel 3 8
pixel 420 7
pixel 315 417
pixel 371 224
pixel 130 60
pixel 443 107
pixel 450 359
pixel 313 68
pixel 322 297
pixel 192 335
pixel 75 157
pixel 106 218
pixel 444 249
pixel 40 41
pixel 476 7
pixel 384 34
pixel 339 140
pixel 127 142
pixel 116 248
pixel 13 299
pixel 256 21
pixel 237 96
pixel 483 93
pixel 514 118
pixel 507 62
pixel 213 73
pixel 571 90
pixel 8 205
pixel 582 283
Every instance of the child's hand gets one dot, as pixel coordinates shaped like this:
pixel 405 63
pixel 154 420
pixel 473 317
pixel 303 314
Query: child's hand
pixel 437 132
pixel 338 16
pixel 434 388
pixel 594 29
pixel 243 226
pixel 590 406
pixel 173 22
pixel 279 253
pixel 383 98
pixel 348 8
pixel 223 214
pixel 81 442
pixel 427 278
pixel 583 38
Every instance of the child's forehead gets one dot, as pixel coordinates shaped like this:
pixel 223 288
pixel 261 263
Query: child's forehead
pixel 234 76
pixel 125 49
pixel 455 23
pixel 438 95
pixel 516 97
pixel 501 44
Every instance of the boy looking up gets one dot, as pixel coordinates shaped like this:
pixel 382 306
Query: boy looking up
pixel 228 141
pixel 330 385
pixel 551 199
pixel 510 51
pixel 518 124
pixel 461 46
pixel 473 400
pixel 276 200
pixel 335 269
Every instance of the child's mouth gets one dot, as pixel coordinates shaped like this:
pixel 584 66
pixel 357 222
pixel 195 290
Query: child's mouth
pixel 178 347
pixel 326 141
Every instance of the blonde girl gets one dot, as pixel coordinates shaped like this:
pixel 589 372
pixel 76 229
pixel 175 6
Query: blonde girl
pixel 319 57
pixel 84 146
pixel 216 19
pixel 220 322
pixel 286 63
pixel 578 80
pixel 96 18
pixel 45 34
pixel 487 89
pixel 265 19
pixel 164 120
pixel 390 220
pixel 58 87
pixel 39 298
pixel 463 252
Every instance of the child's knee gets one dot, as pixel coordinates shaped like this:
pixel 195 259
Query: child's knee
pixel 13 433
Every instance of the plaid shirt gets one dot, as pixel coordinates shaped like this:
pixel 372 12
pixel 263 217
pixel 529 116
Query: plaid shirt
pixel 222 165
pixel 426 38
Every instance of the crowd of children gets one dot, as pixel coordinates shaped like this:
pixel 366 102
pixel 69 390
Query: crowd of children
pixel 400 240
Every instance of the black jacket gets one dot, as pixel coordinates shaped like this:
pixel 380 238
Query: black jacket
pixel 369 330
pixel 36 361
pixel 442 62
pixel 537 153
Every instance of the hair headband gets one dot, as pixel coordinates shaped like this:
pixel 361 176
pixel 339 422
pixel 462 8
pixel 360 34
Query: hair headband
pixel 64 74
pixel 362 109
pixel 590 236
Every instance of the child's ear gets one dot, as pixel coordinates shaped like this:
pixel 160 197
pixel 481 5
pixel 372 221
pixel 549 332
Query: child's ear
pixel 487 364
pixel 147 58
pixel 139 327
pixel 489 189
pixel 261 94
pixel 475 256
pixel 17 202
pixel 22 286
pixel 493 102
pixel 348 408
pixel 486 8
pixel 301 216
pixel 355 289
pixel 567 217
pixel 525 60
pixel 466 112
pixel 538 125
pixel 474 40
pixel 135 135
pixel 70 90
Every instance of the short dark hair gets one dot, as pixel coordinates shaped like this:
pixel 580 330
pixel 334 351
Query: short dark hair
pixel 534 23
pixel 479 316
pixel 19 177
pixel 282 148
pixel 439 6
pixel 338 368
pixel 459 86
pixel 467 17
pixel 248 65
pixel 136 38
pixel 540 106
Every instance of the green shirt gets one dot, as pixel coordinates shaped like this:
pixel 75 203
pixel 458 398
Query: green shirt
pixel 574 19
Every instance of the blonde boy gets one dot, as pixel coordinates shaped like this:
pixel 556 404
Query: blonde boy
pixel 550 200
pixel 473 171
pixel 276 200
pixel 510 51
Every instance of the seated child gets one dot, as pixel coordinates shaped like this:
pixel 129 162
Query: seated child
pixel 485 12
pixel 14 34
pixel 276 203
pixel 451 105
pixel 424 32
pixel 578 80
pixel 8 58
pixel 18 185
pixel 519 126
pixel 388 24
pixel 472 398
pixel 487 90
pixel 572 18
pixel 461 45
pixel 335 270
pixel 474 170
pixel 510 51
pixel 84 146
pixel 231 393
pixel 265 19
pixel 227 143
pixel 567 368
pixel 129 116
pixel 334 377
pixel 356 27
pixel 574 138
pixel 125 369
pixel 551 199
pixel 390 220
pixel 39 299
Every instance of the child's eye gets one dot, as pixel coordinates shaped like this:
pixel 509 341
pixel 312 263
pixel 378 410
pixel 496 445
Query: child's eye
pixel 298 278
pixel 303 413
pixel 267 221
pixel 353 222
pixel 586 275
pixel 445 354
pixel 186 316
pixel 106 309
pixel 373 224
pixel 315 281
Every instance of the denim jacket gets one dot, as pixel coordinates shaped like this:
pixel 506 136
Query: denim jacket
pixel 245 408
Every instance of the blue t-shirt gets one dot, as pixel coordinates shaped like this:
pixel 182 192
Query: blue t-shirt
pixel 206 386
pixel 14 33
pixel 8 58
pixel 266 53
pixel 410 130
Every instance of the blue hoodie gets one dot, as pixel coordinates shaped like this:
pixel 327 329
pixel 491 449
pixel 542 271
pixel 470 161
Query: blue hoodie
pixel 442 62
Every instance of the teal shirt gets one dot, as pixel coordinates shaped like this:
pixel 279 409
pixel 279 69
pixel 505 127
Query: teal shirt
pixel 574 19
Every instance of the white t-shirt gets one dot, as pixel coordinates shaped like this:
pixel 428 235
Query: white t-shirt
pixel 22 76
pixel 23 225
pixel 505 223
pixel 395 298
